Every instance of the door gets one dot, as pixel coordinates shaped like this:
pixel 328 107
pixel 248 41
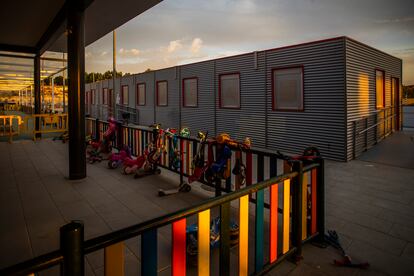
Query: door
pixel 395 99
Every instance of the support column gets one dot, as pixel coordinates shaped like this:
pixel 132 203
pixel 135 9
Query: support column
pixel 36 81
pixel 53 94
pixel 76 90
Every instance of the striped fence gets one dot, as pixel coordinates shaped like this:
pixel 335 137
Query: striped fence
pixel 285 210
pixel 138 138
pixel 302 220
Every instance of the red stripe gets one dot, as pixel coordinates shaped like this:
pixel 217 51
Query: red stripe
pixel 178 248
pixel 188 157
pixel 249 164
pixel 313 195
pixel 182 156
pixel 273 222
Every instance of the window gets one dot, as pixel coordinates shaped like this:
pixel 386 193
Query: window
pixel 229 90
pixel 93 99
pixel 287 86
pixel 141 94
pixel 162 93
pixel 380 88
pixel 124 95
pixel 110 97
pixel 105 96
pixel 190 93
pixel 87 97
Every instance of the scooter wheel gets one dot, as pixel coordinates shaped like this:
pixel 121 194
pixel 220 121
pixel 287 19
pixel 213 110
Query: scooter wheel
pixel 112 164
pixel 125 170
pixel 185 188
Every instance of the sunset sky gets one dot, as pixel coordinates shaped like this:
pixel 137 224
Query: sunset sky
pixel 183 31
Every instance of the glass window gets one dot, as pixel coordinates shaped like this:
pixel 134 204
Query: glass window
pixel 288 89
pixel 93 96
pixel 124 95
pixel 105 96
pixel 190 92
pixel 141 94
pixel 379 86
pixel 162 93
pixel 230 91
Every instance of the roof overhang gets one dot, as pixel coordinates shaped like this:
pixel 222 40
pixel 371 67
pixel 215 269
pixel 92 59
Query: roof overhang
pixel 36 26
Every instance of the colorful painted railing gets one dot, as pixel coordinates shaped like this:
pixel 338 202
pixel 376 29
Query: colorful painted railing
pixel 137 138
pixel 301 210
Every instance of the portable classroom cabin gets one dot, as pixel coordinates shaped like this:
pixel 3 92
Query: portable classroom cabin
pixel 331 87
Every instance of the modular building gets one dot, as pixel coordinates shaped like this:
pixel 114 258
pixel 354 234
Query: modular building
pixel 338 94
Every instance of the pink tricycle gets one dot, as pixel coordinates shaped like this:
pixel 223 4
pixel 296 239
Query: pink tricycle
pixel 116 159
pixel 132 165
pixel 103 146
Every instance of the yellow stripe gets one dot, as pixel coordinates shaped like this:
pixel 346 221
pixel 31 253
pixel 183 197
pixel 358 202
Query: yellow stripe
pixel 204 243
pixel 304 204
pixel 286 215
pixel 244 235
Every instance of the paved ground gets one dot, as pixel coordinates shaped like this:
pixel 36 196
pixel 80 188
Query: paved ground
pixel 370 205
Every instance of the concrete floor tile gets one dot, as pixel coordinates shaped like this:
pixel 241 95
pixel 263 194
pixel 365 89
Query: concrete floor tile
pixel 409 252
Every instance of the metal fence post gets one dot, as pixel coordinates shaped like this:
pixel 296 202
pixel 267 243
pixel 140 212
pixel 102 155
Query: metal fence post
pixel 96 130
pixel 354 125
pixel 71 244
pixel 320 205
pixel 297 188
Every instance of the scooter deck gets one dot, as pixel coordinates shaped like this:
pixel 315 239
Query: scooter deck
pixel 185 188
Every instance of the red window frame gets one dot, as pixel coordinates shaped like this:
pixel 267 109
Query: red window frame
pixel 183 91
pixel 383 88
pixel 158 91
pixel 105 96
pixel 122 95
pixel 219 90
pixel 137 93
pixel 110 91
pixel 274 91
pixel 93 96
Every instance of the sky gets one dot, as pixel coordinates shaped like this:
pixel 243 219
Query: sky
pixel 183 31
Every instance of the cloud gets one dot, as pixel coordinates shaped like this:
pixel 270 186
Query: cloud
pixel 196 45
pixel 174 46
pixel 130 52
pixel 104 53
pixel 395 20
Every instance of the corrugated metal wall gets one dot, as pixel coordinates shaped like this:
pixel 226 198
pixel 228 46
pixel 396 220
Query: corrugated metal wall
pixel 146 112
pixel 169 116
pixel 361 62
pixel 322 122
pixel 201 117
pixel 325 121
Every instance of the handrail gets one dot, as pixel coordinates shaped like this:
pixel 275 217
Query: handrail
pixel 135 230
pixel 378 123
pixel 109 240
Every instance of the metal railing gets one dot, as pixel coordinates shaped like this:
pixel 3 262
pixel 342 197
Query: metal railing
pixel 10 125
pixel 301 209
pixel 47 123
pixel 371 129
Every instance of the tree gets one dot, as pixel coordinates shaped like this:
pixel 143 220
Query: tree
pixel 408 91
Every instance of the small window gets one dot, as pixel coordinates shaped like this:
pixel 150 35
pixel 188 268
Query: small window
pixel 380 88
pixel 93 99
pixel 87 97
pixel 141 94
pixel 288 89
pixel 110 97
pixel 162 93
pixel 124 95
pixel 105 96
pixel 230 91
pixel 190 93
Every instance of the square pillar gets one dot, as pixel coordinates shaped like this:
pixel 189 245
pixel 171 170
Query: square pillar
pixel 76 90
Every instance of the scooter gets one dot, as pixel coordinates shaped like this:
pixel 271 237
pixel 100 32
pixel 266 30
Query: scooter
pixel 116 159
pixel 173 154
pixel 103 146
pixel 154 154
pixel 199 168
